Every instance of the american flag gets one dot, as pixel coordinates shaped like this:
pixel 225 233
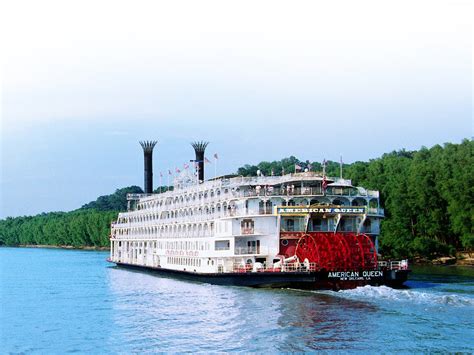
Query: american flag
pixel 309 167
pixel 215 156
pixel 169 172
pixel 325 183
pixel 186 165
pixel 207 161
pixel 297 167
pixel 178 171
pixel 161 174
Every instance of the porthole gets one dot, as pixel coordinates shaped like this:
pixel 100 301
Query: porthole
pixel 284 242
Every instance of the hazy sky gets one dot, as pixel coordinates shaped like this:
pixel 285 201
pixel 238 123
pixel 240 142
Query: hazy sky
pixel 83 81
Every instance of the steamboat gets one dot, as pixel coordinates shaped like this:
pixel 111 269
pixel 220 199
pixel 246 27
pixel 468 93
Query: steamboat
pixel 299 230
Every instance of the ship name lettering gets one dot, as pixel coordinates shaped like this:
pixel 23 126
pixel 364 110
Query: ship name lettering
pixel 372 273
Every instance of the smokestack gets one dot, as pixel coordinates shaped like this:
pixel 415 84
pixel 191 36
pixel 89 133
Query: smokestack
pixel 199 148
pixel 148 160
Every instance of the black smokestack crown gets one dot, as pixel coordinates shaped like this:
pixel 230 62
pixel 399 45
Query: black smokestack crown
pixel 148 161
pixel 199 148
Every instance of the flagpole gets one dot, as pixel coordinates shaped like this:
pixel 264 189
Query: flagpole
pixel 340 167
pixel 215 168
pixel 324 183
pixel 161 182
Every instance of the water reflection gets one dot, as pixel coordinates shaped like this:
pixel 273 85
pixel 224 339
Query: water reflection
pixel 159 313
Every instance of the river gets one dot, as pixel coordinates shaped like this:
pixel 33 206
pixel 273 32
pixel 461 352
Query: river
pixel 56 301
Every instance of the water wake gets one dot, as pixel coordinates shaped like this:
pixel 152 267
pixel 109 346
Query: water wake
pixel 387 293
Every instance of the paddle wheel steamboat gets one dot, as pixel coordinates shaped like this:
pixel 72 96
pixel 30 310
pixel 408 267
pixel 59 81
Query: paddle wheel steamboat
pixel 300 230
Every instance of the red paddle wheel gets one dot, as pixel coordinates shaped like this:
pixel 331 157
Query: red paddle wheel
pixel 336 251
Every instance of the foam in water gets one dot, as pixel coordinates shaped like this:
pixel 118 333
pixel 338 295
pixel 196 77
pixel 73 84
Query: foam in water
pixel 387 293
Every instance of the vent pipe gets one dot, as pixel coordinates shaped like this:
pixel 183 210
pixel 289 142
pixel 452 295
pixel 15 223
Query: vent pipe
pixel 148 162
pixel 199 148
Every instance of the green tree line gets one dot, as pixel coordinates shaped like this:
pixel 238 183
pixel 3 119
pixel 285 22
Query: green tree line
pixel 87 226
pixel 77 228
pixel 427 195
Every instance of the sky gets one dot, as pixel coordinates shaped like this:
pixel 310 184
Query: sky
pixel 83 81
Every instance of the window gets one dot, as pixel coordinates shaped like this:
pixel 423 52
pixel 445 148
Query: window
pixel 222 245
pixel 253 247
pixel 319 224
pixel 247 226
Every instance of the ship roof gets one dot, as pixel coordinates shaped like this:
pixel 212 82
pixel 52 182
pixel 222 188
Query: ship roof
pixel 341 183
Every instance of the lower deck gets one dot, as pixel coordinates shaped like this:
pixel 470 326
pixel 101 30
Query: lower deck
pixel 300 279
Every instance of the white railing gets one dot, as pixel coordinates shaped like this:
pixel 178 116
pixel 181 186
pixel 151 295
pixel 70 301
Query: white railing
pixel 375 210
pixel 251 250
pixel 285 267
pixel 394 265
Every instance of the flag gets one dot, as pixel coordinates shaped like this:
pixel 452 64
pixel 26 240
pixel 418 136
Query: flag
pixel 207 161
pixel 178 171
pixel 161 174
pixel 186 165
pixel 309 167
pixel 297 167
pixel 169 172
pixel 215 156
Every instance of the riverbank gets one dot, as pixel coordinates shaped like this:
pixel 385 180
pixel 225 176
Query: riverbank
pixel 461 259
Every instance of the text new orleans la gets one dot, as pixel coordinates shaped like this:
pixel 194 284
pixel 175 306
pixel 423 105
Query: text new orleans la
pixel 355 275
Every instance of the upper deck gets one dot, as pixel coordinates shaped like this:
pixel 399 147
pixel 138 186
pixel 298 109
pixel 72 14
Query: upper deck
pixel 286 186
pixel 245 196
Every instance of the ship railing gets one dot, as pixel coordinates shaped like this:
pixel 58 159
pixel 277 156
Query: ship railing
pixel 375 210
pixel 394 265
pixel 251 251
pixel 289 191
pixel 277 267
